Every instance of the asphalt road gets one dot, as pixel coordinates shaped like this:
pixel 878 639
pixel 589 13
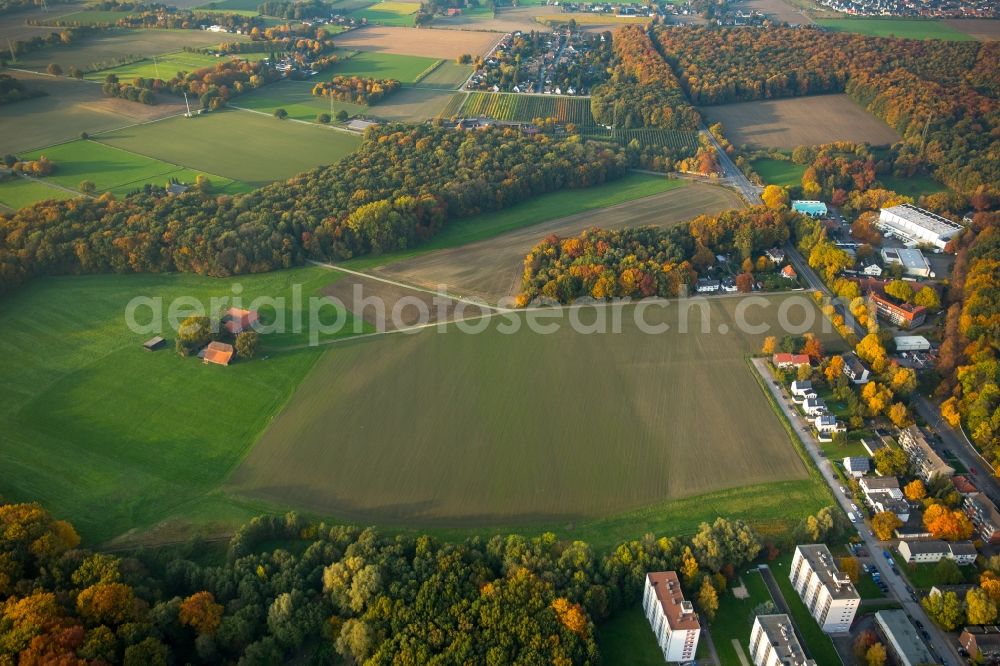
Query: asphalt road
pixel 961 447
pixel 942 644
pixel 732 175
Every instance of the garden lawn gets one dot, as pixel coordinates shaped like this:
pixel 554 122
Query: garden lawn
pixel 779 172
pixel 112 437
pixel 250 147
pixel 627 638
pixel 818 644
pixel 734 619
pixel 896 27
pixel 405 69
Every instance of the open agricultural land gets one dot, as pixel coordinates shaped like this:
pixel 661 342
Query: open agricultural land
pixel 491 268
pixel 526 108
pixel 164 66
pixel 779 172
pixel 787 123
pixel 896 27
pixel 438 44
pixel 112 169
pixel 388 12
pixel 412 105
pixel 985 30
pixel 296 98
pixel 105 50
pixel 405 69
pixel 70 358
pixel 249 147
pixel 69 108
pixel 499 450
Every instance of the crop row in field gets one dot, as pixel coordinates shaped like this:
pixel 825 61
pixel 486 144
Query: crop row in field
pixel 526 108
pixel 654 138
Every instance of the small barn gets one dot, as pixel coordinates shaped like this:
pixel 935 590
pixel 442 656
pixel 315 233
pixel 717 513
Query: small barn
pixel 218 353
pixel 154 343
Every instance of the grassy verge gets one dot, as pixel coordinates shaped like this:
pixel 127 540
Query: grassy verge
pixel 818 644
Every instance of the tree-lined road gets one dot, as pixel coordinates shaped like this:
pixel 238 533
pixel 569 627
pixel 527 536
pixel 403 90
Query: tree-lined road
pixel 732 175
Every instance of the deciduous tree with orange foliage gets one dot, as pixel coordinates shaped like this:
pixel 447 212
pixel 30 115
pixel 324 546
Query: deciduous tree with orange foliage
pixel 200 612
pixel 947 524
pixel 915 490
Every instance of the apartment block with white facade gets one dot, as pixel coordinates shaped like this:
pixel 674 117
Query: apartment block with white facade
pixel 773 643
pixel 827 593
pixel 672 618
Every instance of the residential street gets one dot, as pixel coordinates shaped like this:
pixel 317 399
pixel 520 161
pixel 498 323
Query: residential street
pixel 961 447
pixel 943 646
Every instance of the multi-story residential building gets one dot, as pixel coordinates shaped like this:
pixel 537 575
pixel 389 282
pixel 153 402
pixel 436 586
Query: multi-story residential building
pixel 855 369
pixel 827 593
pixel 984 515
pixel 885 486
pixel 927 463
pixel 773 643
pixel 672 618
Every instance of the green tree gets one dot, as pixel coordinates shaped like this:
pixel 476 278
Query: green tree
pixel 900 290
pixel 247 344
pixel 323 118
pixel 944 609
pixel 87 186
pixel 891 461
pixel 280 113
pixel 928 298
pixel 708 599
pixel 947 572
pixel 194 333
pixel 343 115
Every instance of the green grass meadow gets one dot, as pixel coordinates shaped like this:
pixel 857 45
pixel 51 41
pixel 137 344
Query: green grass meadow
pixel 734 619
pixel 297 99
pixel 110 436
pixel 405 69
pixel 627 638
pixel 896 27
pixel 93 17
pixel 538 209
pixel 399 14
pixel 163 67
pixel 19 192
pixel 914 186
pixel 249 147
pixel 779 172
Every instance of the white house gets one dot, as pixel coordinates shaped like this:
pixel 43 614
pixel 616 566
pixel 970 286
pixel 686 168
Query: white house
pixel 775 255
pixel 814 407
pixel 857 466
pixel 672 618
pixel 826 424
pixel 933 550
pixel 773 642
pixel 873 486
pixel 802 390
pixel 827 593
pixel 871 268
pixel 855 369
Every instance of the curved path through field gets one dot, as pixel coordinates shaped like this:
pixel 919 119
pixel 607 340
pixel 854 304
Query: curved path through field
pixel 491 269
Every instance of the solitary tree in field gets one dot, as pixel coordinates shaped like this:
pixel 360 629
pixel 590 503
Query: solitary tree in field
pixel 280 114
pixel 770 342
pixel 323 118
pixel 87 186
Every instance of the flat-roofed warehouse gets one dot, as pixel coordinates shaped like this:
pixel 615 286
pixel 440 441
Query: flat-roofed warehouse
pixel 917 226
pixel 908 343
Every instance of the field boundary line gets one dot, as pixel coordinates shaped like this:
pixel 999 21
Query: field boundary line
pixel 295 120
pixel 427 72
pixel 158 159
